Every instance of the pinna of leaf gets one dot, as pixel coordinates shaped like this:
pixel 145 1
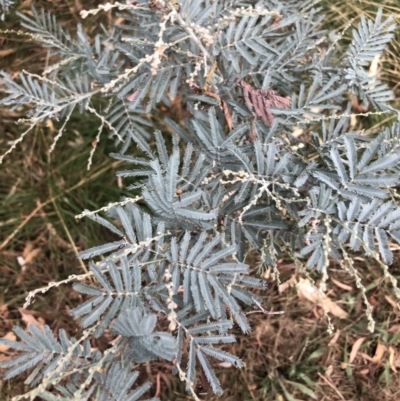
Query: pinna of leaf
pixel 260 101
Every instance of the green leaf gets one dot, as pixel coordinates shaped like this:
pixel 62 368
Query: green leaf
pixel 304 389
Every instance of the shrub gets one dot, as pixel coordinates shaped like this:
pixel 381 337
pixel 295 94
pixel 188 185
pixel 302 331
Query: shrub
pixel 267 161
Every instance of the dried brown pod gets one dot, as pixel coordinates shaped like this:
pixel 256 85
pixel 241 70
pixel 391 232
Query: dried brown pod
pixel 260 101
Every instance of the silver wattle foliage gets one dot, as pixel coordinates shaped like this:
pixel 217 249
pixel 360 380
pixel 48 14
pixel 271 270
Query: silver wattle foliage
pixel 235 177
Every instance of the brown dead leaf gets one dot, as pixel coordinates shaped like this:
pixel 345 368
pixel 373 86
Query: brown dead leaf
pixel 288 284
pixel 31 255
pixel 334 339
pixel 342 285
pixel 329 371
pixel 29 318
pixel 365 356
pixel 260 102
pixel 356 106
pixel 392 359
pixel 394 329
pixel 354 349
pixel 9 336
pixel 6 52
pixel 225 364
pixel 392 302
pixel 309 291
pixel 227 114
pixel 119 21
pixel 25 4
pixel 379 352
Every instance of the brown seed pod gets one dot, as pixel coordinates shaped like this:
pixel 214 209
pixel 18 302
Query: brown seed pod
pixel 179 192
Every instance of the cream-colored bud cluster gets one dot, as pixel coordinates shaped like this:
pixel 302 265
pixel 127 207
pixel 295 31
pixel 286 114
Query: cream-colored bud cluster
pixel 242 12
pixel 171 305
pixel 160 46
pixel 194 73
pixel 264 185
pixel 127 73
pixel 203 33
pixel 107 7
pixel 240 174
pixel 326 249
pixel 297 147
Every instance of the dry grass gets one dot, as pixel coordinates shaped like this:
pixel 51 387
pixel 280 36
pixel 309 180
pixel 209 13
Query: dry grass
pixel 288 357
